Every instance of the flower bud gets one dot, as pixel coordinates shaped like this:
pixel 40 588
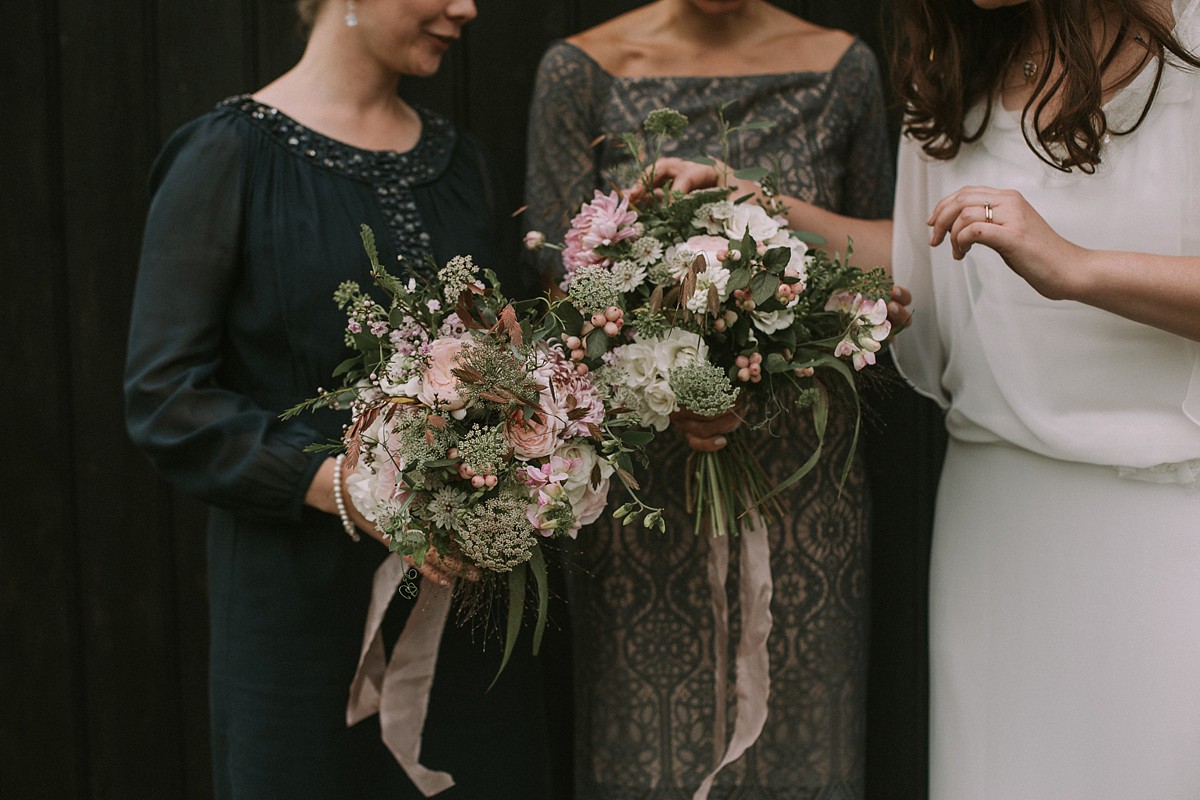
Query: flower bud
pixel 534 240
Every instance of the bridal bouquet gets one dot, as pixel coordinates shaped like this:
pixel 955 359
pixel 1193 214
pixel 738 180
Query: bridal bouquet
pixel 470 433
pixel 706 304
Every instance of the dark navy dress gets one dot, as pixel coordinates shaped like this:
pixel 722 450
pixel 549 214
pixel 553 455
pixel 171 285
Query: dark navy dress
pixel 254 222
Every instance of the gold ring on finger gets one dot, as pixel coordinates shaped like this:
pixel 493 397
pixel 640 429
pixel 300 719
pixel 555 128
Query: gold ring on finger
pixel 987 212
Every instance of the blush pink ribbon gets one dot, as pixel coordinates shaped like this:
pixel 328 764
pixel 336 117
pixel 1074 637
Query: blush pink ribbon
pixel 753 685
pixel 398 690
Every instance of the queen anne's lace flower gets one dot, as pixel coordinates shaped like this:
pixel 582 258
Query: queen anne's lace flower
pixel 703 388
pixel 457 276
pixel 496 534
pixel 593 288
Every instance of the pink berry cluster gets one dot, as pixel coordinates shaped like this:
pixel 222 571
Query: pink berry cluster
pixel 467 474
pixel 749 368
pixel 611 320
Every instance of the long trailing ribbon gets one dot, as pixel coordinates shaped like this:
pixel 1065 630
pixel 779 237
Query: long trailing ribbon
pixel 399 690
pixel 753 686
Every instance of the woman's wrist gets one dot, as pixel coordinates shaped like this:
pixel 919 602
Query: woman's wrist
pixel 339 499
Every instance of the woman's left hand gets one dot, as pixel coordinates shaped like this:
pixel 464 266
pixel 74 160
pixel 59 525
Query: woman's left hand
pixel 1003 220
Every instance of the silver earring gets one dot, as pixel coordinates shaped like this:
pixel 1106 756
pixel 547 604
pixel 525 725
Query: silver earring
pixel 351 13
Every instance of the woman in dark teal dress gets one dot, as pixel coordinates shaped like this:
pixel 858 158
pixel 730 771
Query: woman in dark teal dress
pixel 254 223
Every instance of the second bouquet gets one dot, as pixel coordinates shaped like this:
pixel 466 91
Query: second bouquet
pixel 701 305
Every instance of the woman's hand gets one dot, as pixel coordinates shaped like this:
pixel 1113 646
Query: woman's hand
pixel 1003 220
pixel 704 434
pixel 442 570
pixel 688 176
pixel 897 309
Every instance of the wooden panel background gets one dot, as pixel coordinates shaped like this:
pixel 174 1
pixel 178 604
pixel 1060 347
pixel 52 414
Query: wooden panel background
pixel 102 600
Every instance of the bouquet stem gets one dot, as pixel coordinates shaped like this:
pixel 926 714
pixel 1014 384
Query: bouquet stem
pixel 724 486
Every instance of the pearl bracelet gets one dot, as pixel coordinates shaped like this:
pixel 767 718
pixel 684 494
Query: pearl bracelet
pixel 347 523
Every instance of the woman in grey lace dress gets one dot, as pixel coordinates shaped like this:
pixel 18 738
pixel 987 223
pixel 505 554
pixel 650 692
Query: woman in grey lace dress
pixel 647 723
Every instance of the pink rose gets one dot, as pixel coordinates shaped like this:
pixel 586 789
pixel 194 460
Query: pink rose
pixel 439 387
pixel 538 436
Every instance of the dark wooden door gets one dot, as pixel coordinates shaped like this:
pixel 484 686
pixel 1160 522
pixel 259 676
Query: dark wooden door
pixel 102 600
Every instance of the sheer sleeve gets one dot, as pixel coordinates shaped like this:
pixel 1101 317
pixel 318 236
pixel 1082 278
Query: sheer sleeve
pixel 205 438
pixel 870 168
pixel 562 168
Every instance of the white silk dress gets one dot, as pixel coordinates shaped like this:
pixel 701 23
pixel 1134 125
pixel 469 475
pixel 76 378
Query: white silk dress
pixel 1065 595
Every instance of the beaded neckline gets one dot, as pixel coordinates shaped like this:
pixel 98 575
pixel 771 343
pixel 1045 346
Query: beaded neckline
pixel 391 175
pixel 422 164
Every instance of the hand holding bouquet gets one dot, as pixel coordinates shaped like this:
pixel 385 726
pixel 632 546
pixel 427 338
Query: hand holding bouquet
pixel 471 434
pixel 706 303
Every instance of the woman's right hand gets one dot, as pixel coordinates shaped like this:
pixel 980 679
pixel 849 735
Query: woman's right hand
pixel 442 570
pixel 688 176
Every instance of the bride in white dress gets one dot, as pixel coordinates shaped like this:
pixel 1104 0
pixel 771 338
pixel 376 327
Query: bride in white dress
pixel 1053 256
pixel 1056 320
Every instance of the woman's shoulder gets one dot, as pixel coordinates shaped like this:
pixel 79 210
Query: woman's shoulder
pixel 217 136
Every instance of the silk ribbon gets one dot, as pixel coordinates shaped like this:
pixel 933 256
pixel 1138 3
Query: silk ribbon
pixel 753 686
pixel 398 690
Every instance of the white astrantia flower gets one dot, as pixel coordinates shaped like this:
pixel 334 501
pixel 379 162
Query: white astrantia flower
pixel 715 277
pixel 645 250
pixel 628 275
pixel 712 217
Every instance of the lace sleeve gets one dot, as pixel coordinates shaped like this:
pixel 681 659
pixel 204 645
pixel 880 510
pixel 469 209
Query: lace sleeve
pixel 562 167
pixel 870 169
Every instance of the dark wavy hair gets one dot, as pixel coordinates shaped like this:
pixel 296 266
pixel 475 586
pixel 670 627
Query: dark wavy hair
pixel 951 55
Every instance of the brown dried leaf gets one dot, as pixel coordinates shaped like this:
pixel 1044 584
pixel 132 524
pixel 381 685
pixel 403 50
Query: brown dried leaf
pixel 508 320
pixel 463 309
pixel 628 479
pixel 656 299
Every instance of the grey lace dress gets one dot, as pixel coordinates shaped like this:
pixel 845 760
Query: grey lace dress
pixel 640 602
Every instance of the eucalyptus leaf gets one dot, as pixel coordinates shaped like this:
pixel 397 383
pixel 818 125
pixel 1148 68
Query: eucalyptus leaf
pixel 751 173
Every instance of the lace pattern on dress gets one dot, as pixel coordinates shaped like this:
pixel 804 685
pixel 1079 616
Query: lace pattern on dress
pixel 641 603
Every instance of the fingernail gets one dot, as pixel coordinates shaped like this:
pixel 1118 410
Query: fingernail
pixel 719 441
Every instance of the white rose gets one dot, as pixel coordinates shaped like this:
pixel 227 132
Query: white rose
pixel 772 321
pixel 587 500
pixel 660 399
pixel 374 483
pixel 751 216
pixel 638 361
pixel 678 347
